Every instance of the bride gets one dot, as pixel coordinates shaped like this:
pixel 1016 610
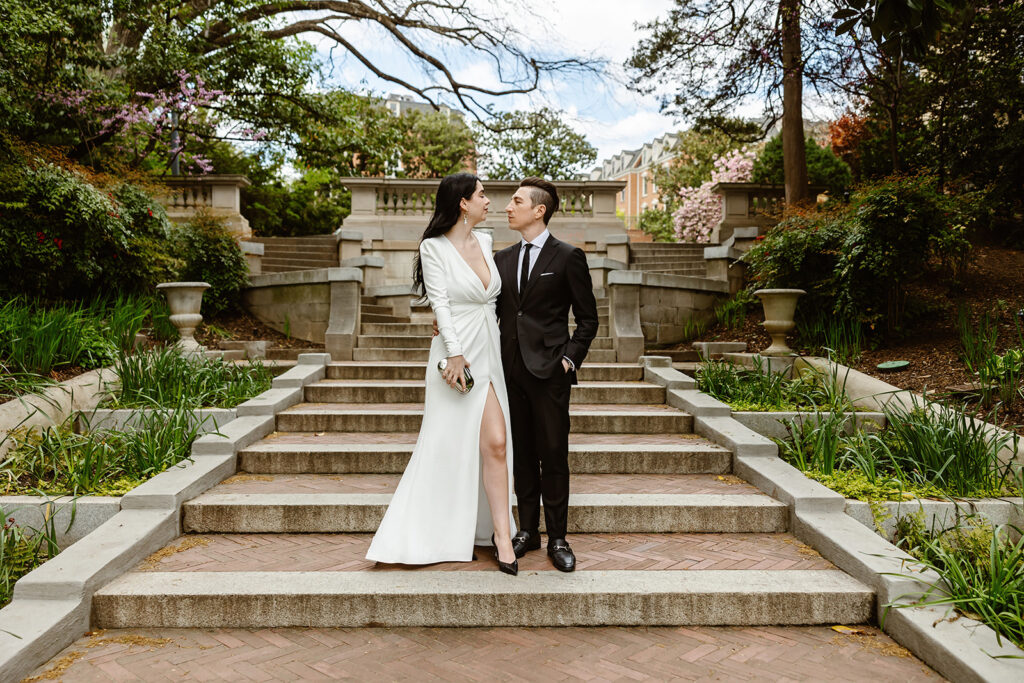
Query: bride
pixel 456 490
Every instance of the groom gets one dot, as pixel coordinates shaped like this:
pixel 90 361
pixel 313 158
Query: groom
pixel 541 278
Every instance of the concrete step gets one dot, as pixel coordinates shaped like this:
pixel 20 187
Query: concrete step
pixel 314 240
pixel 375 309
pixel 369 391
pixel 394 341
pixel 307 580
pixel 406 417
pixel 590 372
pixel 686 272
pixel 325 249
pixel 677 355
pixel 667 247
pixel 386 318
pixel 289 354
pixel 426 329
pixel 375 355
pixel 305 263
pixel 617 503
pixel 388 453
pixel 649 262
pixel 599 343
pixel 601 356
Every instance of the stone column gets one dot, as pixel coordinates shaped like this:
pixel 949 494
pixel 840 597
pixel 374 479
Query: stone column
pixel 343 326
pixel 624 318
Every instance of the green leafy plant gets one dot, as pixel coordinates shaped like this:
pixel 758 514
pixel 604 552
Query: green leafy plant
pixel 841 339
pixel 731 313
pixel 59 461
pixel 658 224
pixel 166 378
pixel 753 389
pixel 823 167
pixel 23 548
pixel 212 255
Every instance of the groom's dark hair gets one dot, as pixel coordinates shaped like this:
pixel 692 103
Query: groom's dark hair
pixel 542 192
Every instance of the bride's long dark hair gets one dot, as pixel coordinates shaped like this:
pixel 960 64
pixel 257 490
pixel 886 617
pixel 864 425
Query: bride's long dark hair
pixel 447 209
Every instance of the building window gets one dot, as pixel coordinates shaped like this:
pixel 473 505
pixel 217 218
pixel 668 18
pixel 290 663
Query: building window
pixel 622 196
pixel 644 186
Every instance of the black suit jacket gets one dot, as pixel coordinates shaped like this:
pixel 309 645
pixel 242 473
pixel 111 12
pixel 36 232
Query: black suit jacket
pixel 537 320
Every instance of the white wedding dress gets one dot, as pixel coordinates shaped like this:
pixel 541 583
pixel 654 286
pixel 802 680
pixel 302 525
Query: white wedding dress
pixel 440 510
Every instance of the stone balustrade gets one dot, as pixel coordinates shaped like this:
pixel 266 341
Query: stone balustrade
pixel 220 195
pixel 749 204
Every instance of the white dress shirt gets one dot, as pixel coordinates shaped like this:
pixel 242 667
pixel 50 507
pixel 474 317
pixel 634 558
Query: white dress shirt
pixel 537 244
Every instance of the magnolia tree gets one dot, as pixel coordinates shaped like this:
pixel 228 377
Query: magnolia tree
pixel 700 209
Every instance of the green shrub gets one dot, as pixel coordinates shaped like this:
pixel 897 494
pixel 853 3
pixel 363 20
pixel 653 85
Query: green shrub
pixel 59 461
pixel 166 378
pixel 658 224
pixel 64 236
pixel 731 313
pixel 823 167
pixel 745 389
pixel 22 549
pixel 306 206
pixel 857 262
pixel 212 255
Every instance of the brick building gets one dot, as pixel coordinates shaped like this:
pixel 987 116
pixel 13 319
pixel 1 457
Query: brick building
pixel 636 167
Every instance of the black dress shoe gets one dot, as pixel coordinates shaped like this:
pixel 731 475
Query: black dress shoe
pixel 561 555
pixel 506 567
pixel 525 541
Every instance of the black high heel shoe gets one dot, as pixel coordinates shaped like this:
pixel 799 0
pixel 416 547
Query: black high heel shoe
pixel 506 567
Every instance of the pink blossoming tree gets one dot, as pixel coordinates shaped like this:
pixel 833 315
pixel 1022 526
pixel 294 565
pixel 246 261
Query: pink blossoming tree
pixel 699 208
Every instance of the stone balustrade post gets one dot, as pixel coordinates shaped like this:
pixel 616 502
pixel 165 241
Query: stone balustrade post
pixel 343 324
pixel 253 252
pixel 220 195
pixel 617 248
pixel 624 318
pixel 350 244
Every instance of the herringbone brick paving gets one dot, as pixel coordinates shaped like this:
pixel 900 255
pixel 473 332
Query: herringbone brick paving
pixel 811 653
pixel 691 484
pixel 347 552
pixel 418 407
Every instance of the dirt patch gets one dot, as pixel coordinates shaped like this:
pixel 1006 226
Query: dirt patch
pixel 153 561
pixel 240 326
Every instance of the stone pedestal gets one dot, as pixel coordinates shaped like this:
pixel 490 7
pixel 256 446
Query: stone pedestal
pixel 185 300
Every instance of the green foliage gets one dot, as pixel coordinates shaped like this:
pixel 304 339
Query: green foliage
pixel 434 144
pixel 212 255
pixel 981 566
pixel 165 378
pixel 732 313
pixel 305 206
pixel 759 390
pixel 857 262
pixel 37 339
pixel 532 143
pixel 840 339
pixel 58 461
pixel 823 167
pixel 924 444
pixel 658 224
pixel 853 483
pixel 23 548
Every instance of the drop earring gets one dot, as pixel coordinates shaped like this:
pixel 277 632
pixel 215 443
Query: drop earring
pixel 465 220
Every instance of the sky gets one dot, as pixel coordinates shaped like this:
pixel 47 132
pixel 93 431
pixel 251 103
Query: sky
pixel 611 116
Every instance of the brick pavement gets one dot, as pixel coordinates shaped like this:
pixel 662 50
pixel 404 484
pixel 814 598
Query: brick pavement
pixel 793 653
pixel 599 552
pixel 691 484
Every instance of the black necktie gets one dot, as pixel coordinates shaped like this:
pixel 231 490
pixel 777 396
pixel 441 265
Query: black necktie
pixel 524 274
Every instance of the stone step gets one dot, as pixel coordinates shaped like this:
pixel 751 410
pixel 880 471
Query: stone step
pixel 257 582
pixel 677 355
pixel 393 341
pixel 687 272
pixel 406 417
pixel 590 372
pixel 658 262
pixel 314 240
pixel 289 354
pixel 618 503
pixel 370 354
pixel 672 247
pixel 375 309
pixel 369 391
pixel 304 263
pixel 422 329
pixel 388 453
pixel 325 249
pixel 385 318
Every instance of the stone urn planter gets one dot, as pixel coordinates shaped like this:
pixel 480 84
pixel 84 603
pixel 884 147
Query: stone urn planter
pixel 779 307
pixel 184 299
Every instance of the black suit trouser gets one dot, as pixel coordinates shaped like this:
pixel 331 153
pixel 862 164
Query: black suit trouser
pixel 540 446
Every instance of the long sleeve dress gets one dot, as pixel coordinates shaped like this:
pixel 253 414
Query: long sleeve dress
pixel 439 510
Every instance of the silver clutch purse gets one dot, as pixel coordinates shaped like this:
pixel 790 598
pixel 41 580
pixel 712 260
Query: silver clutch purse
pixel 443 363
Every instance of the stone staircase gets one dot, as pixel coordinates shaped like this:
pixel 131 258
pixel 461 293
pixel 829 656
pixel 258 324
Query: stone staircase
pixel 666 257
pixel 664 533
pixel 284 254
pixel 387 336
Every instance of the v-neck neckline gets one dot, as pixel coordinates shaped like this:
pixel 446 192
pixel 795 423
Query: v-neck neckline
pixel 490 275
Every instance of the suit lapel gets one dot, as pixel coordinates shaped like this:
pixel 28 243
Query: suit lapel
pixel 508 274
pixel 543 260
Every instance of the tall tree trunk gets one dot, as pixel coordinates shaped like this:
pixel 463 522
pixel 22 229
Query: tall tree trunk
pixel 794 156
